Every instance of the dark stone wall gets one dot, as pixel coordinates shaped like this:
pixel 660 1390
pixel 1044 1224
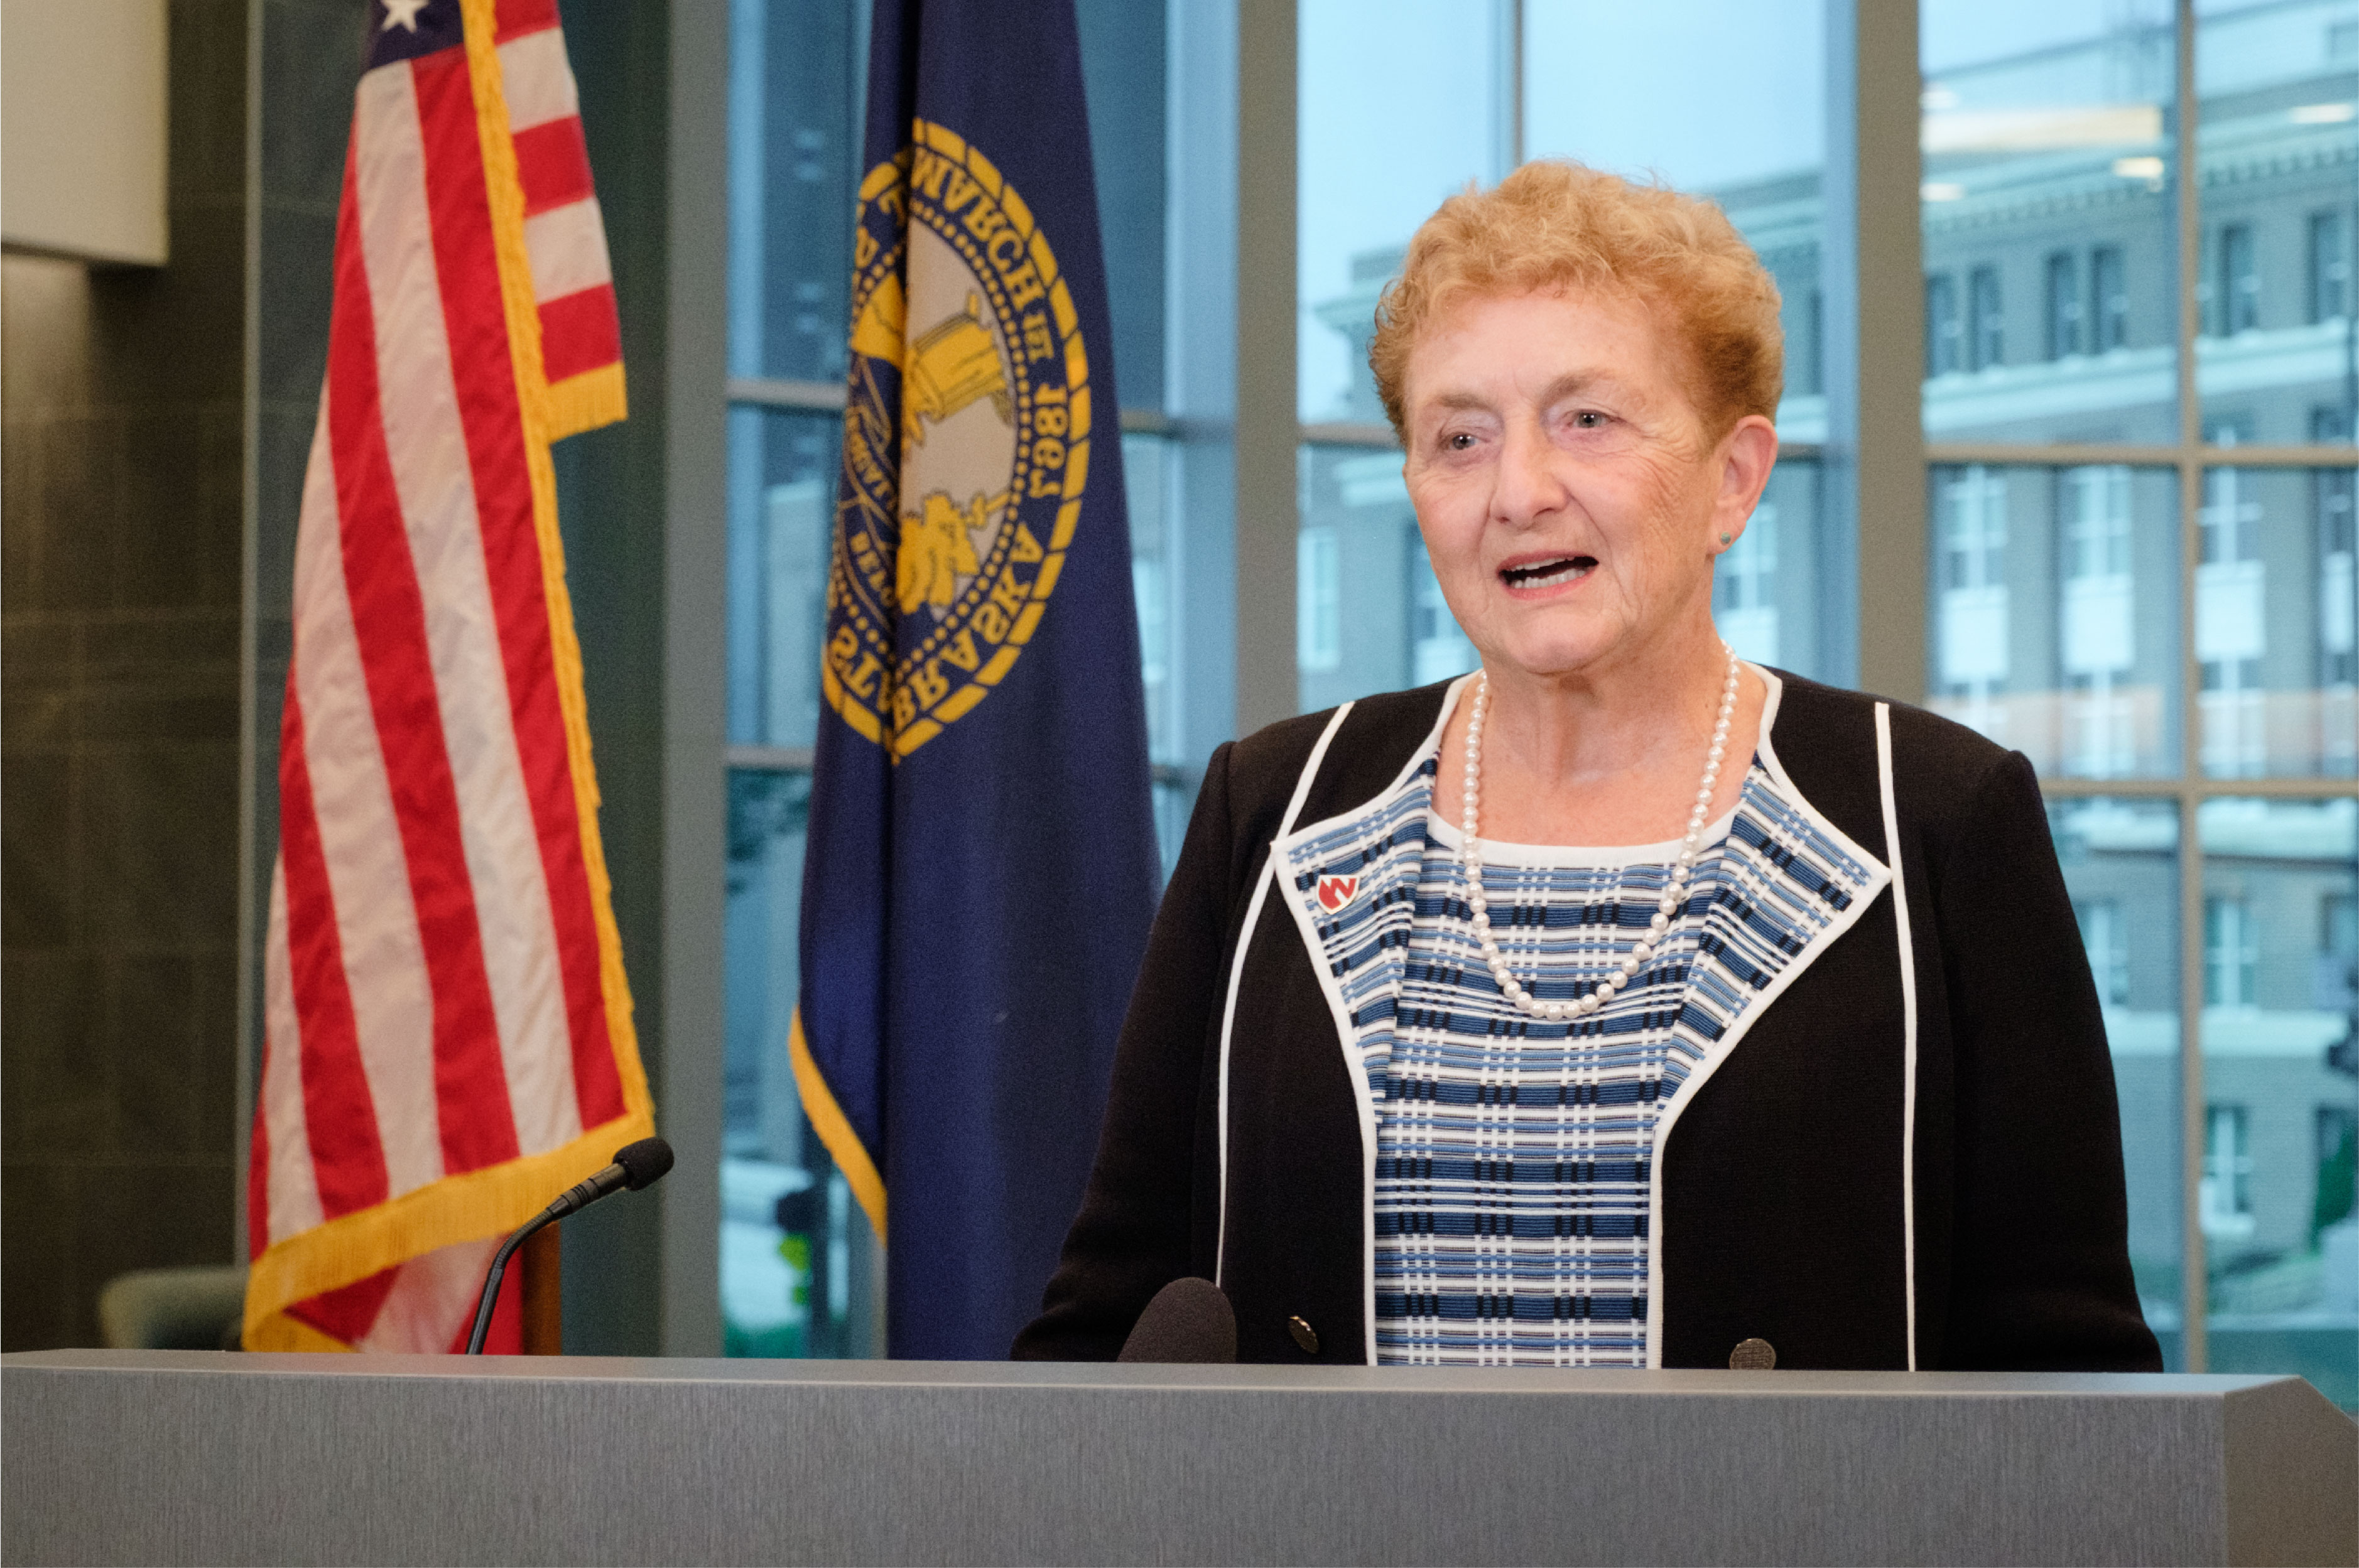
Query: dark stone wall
pixel 121 472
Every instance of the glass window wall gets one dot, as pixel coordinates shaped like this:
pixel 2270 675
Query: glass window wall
pixel 782 474
pixel 2275 610
pixel 2278 82
pixel 798 71
pixel 1401 102
pixel 2051 309
pixel 2054 608
pixel 2275 1202
pixel 2121 859
pixel 2187 625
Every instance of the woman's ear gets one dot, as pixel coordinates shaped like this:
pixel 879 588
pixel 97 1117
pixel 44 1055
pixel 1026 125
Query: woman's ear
pixel 1746 455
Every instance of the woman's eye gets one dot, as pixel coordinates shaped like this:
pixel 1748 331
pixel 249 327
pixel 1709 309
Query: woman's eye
pixel 1590 419
pixel 1458 441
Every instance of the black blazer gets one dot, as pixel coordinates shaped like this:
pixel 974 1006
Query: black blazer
pixel 1784 1211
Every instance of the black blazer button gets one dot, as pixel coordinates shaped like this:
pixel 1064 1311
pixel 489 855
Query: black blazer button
pixel 1753 1356
pixel 1304 1335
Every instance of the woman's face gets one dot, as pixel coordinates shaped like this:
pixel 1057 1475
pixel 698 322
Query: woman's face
pixel 1570 502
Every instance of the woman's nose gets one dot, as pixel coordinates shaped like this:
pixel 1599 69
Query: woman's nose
pixel 1528 485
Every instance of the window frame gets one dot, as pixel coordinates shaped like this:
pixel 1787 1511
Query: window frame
pixel 2062 276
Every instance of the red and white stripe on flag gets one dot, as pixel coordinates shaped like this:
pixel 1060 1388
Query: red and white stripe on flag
pixel 448 1035
pixel 580 335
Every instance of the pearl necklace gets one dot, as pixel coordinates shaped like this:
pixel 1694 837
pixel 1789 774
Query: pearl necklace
pixel 1675 888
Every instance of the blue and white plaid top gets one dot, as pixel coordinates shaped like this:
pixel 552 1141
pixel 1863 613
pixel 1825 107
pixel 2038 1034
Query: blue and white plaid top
pixel 1515 1154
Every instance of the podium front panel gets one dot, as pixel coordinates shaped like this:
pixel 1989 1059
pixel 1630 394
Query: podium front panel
pixel 156 1457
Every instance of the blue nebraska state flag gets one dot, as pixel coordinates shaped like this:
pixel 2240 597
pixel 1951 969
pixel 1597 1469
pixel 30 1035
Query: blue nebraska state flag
pixel 981 868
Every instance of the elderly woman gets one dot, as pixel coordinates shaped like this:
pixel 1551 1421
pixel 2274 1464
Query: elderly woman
pixel 1623 1003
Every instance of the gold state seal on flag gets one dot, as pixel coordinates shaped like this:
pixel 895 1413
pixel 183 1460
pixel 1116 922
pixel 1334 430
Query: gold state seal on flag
pixel 960 503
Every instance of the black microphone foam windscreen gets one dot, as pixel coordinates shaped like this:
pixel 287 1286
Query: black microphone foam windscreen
pixel 1188 1320
pixel 644 1162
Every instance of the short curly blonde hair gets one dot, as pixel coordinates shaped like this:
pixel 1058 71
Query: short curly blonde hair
pixel 1561 225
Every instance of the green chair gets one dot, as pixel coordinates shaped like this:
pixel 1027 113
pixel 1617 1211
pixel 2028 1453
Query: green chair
pixel 173 1308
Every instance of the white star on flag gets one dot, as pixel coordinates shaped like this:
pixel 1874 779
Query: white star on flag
pixel 404 12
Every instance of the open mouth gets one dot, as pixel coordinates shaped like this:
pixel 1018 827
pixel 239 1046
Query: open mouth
pixel 1548 573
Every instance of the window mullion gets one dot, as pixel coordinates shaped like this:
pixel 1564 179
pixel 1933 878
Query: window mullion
pixel 2194 1280
pixel 1872 267
pixel 1266 438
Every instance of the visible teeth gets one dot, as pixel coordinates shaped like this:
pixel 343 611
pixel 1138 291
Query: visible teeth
pixel 1548 574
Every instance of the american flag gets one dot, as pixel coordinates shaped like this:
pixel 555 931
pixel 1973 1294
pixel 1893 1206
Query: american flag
pixel 448 1038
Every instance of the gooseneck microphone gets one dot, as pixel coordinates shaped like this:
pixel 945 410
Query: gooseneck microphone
pixel 636 1165
pixel 1188 1320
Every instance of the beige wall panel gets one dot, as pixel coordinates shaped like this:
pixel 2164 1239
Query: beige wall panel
pixel 82 105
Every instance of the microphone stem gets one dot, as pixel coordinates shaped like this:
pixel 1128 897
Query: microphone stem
pixel 491 1293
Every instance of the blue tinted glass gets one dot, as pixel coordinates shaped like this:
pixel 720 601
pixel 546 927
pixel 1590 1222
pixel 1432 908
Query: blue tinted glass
pixel 1401 102
pixel 1368 614
pixel 797 1260
pixel 1123 73
pixel 1154 564
pixel 796 75
pixel 2051 302
pixel 2121 867
pixel 2279 89
pixel 1769 592
pixel 782 473
pixel 1724 101
pixel 2053 613
pixel 2275 608
pixel 2275 1196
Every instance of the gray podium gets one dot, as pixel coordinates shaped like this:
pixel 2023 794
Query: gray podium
pixel 156 1457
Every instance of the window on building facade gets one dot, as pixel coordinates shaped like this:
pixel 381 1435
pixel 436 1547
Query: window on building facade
pixel 1745 589
pixel 2231 953
pixel 2335 1142
pixel 2105 709
pixel 1438 648
pixel 1944 333
pixel 1975 646
pixel 1317 600
pixel 2332 493
pixel 2330 266
pixel 2107 940
pixel 2240 281
pixel 2227 1191
pixel 1985 321
pixel 2231 627
pixel 2064 305
pixel 2109 299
